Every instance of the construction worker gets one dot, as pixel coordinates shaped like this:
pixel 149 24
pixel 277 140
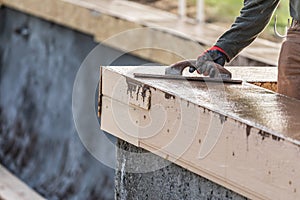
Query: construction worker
pixel 254 17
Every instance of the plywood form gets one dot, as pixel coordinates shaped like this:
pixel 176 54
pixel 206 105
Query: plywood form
pixel 11 188
pixel 104 19
pixel 257 147
pixel 265 77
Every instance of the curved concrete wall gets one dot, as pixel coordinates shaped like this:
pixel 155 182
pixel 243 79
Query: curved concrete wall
pixel 38 139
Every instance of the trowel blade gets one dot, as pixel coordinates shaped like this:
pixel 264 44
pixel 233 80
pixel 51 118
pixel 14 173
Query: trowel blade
pixel 188 78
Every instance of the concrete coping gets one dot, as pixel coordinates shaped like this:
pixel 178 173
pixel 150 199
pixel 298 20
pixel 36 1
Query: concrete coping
pixel 241 136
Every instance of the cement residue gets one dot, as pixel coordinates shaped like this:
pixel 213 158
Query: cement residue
pixel 170 182
pixel 122 180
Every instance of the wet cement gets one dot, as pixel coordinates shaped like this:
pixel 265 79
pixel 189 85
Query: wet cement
pixel 268 111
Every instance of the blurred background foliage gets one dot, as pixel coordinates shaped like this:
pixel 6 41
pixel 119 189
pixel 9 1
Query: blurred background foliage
pixel 223 13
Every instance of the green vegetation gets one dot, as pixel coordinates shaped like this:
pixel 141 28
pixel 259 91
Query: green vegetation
pixel 225 12
pixel 222 11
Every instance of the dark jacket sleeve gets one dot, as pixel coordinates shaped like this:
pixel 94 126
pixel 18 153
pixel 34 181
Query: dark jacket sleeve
pixel 254 17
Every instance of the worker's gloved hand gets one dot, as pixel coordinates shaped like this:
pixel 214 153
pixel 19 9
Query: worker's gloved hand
pixel 208 62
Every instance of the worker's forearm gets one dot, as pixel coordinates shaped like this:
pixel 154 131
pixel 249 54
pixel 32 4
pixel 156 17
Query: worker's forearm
pixel 254 17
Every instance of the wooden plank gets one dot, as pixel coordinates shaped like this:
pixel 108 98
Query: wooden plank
pixel 243 137
pixel 11 188
pixel 258 74
pixel 104 19
pixel 110 121
pixel 265 77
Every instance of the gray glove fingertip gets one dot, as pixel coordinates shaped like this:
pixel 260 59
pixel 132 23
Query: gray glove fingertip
pixel 212 73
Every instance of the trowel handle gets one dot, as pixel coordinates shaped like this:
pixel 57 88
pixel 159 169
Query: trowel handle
pixel 222 72
pixel 177 68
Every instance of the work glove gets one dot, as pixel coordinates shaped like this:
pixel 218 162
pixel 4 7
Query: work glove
pixel 209 62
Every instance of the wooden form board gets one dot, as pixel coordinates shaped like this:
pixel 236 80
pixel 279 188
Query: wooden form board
pixel 243 137
pixel 11 188
pixel 165 40
pixel 265 77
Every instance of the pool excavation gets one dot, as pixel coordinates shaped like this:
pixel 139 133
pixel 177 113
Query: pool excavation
pixel 164 138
